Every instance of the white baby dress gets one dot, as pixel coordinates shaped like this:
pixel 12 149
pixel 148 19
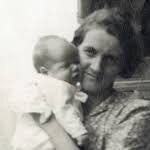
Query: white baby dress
pixel 45 95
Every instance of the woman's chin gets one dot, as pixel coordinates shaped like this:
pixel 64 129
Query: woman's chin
pixel 96 87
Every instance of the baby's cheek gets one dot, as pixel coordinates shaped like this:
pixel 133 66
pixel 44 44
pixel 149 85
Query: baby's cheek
pixel 65 73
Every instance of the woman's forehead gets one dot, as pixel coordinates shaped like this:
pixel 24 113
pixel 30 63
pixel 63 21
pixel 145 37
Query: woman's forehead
pixel 101 40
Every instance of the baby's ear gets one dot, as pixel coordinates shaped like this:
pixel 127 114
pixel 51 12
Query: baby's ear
pixel 43 70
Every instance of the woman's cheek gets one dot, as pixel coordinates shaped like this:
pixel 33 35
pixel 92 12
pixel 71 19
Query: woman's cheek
pixel 83 61
pixel 112 70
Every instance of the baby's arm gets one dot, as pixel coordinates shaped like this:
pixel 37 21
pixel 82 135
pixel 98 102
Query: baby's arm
pixel 60 99
pixel 68 117
pixel 66 114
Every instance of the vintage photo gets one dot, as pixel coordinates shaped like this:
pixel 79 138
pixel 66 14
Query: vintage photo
pixel 75 75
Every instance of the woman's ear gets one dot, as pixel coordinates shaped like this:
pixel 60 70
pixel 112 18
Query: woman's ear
pixel 43 70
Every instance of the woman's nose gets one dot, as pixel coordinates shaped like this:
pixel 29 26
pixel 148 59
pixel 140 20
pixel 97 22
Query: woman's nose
pixel 96 64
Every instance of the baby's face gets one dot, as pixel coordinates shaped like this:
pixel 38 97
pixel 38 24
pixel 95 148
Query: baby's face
pixel 64 64
pixel 67 70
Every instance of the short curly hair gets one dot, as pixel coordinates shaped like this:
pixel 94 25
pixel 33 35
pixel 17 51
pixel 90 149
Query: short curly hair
pixel 116 23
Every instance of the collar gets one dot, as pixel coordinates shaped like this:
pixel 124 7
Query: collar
pixel 104 105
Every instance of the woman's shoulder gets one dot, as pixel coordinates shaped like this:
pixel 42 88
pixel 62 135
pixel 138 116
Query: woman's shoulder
pixel 132 99
pixel 131 106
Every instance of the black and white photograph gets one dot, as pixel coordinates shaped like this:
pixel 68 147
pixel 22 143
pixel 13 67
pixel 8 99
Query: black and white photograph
pixel 75 75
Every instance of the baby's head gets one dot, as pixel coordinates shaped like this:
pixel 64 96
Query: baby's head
pixel 56 57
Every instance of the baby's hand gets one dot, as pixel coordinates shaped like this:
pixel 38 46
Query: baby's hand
pixel 82 140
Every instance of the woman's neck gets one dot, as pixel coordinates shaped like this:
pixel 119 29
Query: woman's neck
pixel 94 100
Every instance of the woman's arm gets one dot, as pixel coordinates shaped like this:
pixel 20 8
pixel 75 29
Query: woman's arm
pixel 58 135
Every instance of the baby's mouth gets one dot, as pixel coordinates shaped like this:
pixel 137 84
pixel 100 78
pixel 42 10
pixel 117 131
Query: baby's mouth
pixel 75 76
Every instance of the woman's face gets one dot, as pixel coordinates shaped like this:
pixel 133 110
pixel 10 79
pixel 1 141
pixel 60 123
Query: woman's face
pixel 100 55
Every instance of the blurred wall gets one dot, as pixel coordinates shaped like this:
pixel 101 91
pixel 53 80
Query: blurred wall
pixel 22 23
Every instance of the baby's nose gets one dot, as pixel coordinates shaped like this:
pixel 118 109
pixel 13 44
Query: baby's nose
pixel 75 67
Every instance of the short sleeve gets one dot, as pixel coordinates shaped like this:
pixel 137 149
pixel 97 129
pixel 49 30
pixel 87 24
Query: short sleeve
pixel 27 98
pixel 62 93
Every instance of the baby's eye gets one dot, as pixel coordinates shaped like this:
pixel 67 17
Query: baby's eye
pixel 66 65
pixel 63 66
pixel 90 51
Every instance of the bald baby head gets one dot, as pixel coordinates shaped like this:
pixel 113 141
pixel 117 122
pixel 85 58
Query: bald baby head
pixel 52 49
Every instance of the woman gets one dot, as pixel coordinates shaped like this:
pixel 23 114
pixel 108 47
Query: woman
pixel 107 48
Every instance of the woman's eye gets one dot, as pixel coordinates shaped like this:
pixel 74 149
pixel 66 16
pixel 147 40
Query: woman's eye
pixel 111 60
pixel 91 52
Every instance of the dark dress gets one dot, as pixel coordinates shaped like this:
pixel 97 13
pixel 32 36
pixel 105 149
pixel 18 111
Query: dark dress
pixel 121 122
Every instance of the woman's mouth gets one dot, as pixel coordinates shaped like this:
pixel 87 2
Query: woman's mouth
pixel 93 76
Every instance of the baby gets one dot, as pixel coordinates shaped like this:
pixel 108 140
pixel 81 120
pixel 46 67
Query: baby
pixel 52 91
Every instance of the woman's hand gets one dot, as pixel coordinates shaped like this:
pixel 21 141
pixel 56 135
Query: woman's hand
pixel 58 135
